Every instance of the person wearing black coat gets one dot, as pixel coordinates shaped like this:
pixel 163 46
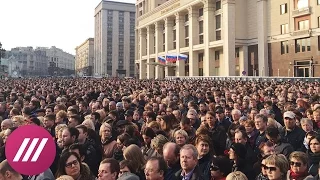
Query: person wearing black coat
pixel 237 155
pixel 314 155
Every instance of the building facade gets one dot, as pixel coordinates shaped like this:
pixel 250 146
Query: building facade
pixel 60 63
pixel 26 61
pixel 228 37
pixel 114 39
pixel 84 58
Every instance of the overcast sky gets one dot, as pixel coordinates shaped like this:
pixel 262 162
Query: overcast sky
pixel 45 23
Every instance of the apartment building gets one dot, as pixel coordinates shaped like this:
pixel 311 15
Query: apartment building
pixel 114 39
pixel 60 63
pixel 228 38
pixel 26 61
pixel 84 58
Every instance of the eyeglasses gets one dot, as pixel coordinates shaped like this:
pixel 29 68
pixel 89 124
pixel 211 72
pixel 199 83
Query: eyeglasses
pixel 214 168
pixel 296 164
pixel 69 165
pixel 269 168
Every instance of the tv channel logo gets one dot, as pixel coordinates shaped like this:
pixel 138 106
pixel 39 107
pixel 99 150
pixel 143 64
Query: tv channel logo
pixel 30 150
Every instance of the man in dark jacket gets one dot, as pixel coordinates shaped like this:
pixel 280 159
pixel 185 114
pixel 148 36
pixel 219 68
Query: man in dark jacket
pixel 188 162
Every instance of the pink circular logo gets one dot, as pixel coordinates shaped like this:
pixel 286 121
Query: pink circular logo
pixel 30 150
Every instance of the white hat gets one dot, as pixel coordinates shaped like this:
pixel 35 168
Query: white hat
pixel 289 114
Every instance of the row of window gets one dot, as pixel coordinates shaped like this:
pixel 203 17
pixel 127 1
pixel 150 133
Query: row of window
pixel 301 45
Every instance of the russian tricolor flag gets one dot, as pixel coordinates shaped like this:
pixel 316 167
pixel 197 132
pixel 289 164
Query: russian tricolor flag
pixel 161 60
pixel 171 58
pixel 182 57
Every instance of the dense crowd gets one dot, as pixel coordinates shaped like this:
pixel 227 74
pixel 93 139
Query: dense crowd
pixel 130 129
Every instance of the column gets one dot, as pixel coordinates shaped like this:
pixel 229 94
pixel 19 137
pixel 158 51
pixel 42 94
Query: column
pixel 243 60
pixel 262 38
pixel 180 33
pixel 193 39
pixel 228 29
pixel 142 41
pixel 159 42
pixel 208 24
pixel 168 24
pixel 150 45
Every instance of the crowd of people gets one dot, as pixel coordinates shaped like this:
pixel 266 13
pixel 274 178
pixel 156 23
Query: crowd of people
pixel 129 129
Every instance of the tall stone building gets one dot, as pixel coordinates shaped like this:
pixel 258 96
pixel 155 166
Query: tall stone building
pixel 26 61
pixel 114 39
pixel 85 58
pixel 60 63
pixel 228 38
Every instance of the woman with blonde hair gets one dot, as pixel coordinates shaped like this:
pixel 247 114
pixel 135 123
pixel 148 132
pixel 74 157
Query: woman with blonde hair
pixel 133 153
pixel 276 166
pixel 89 124
pixel 109 143
pixel 238 175
pixel 18 120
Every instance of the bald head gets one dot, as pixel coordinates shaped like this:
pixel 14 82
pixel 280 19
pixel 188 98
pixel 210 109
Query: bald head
pixel 7 172
pixel 6 124
pixel 171 153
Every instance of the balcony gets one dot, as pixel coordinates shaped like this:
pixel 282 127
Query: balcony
pixel 301 33
pixel 301 12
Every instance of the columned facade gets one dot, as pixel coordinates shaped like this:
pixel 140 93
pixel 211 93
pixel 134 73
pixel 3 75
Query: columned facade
pixel 228 37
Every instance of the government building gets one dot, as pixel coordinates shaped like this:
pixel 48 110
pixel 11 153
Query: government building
pixel 114 39
pixel 227 38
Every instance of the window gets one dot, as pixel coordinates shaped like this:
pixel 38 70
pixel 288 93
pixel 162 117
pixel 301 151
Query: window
pixel 318 2
pixel 218 21
pixel 302 4
pixel 186 28
pixel 110 12
pixel 200 57
pixel 284 47
pixel 200 39
pixel 218 35
pixel 283 8
pixel 237 54
pixel 318 21
pixel 200 12
pixel 303 25
pixel 303 45
pixel 284 28
pixel 186 18
pixel 200 27
pixel 217 55
pixel 218 5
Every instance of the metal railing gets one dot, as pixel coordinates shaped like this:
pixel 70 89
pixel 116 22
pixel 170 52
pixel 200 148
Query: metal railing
pixel 246 78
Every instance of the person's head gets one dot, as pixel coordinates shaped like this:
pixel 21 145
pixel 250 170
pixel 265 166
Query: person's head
pixel 220 167
pixel 79 149
pixel 188 157
pixel 210 119
pixel 171 153
pixel 260 122
pixel 7 132
pixel 203 144
pixel 133 153
pixel 158 142
pixel 237 175
pixel 289 120
pixel 5 124
pixel 69 136
pixel 65 177
pixel 83 133
pixel 108 169
pixel 249 125
pixel 236 114
pixel 266 149
pixel 306 124
pixel 237 151
pixel 316 115
pixel 126 166
pixel 277 166
pixel 181 137
pixel 74 120
pixel 105 132
pixel 241 136
pixel 155 169
pixel 48 121
pixel 298 162
pixel 69 164
pixel 314 144
pixel 273 134
pixel 7 172
pixel 147 135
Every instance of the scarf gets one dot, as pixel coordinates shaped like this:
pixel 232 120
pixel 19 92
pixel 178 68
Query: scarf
pixel 296 176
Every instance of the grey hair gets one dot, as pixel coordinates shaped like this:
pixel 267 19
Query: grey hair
pixel 193 148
